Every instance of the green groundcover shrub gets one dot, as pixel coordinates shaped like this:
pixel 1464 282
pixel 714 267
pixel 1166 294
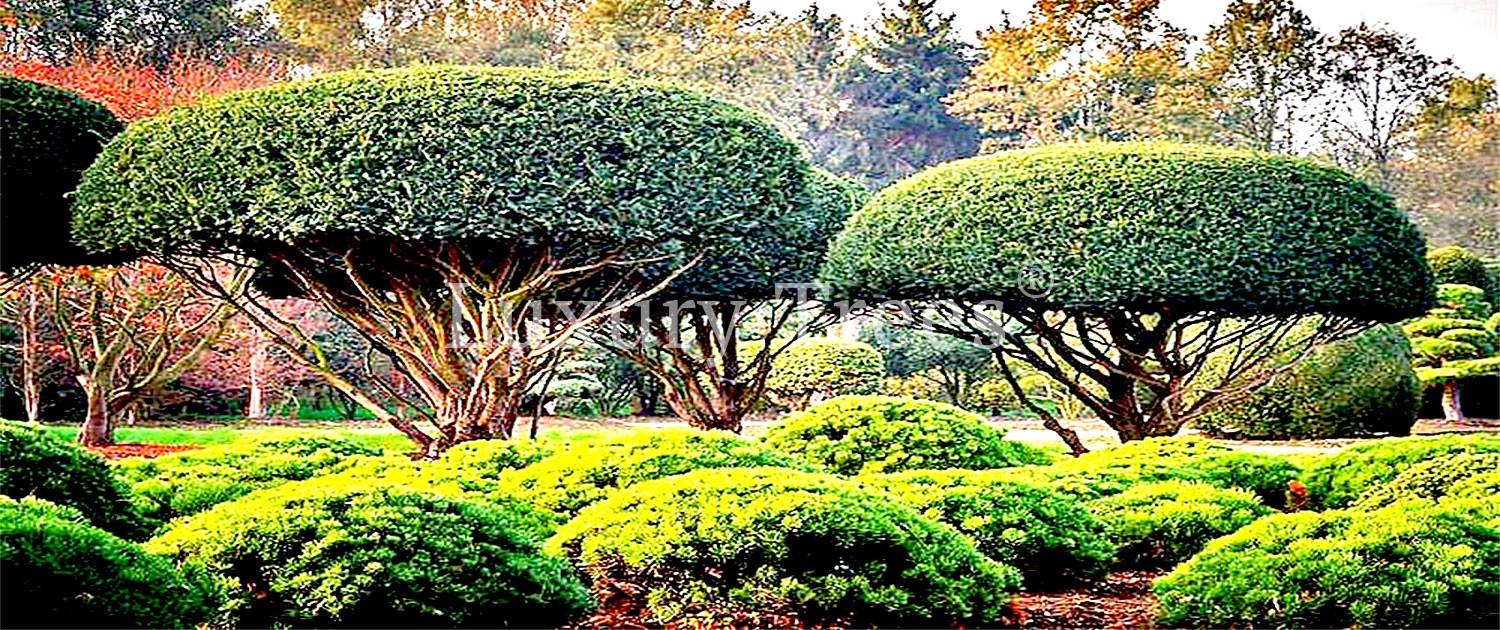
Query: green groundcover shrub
pixel 1413 564
pixel 1359 386
pixel 853 435
pixel 586 472
pixel 1048 535
pixel 1112 470
pixel 1432 480
pixel 1163 523
pixel 323 554
pixel 61 572
pixel 713 544
pixel 823 367
pixel 35 463
pixel 1339 479
pixel 193 481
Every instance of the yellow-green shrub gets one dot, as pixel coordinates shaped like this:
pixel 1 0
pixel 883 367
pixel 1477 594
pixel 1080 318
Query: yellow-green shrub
pixel 37 464
pixel 1163 523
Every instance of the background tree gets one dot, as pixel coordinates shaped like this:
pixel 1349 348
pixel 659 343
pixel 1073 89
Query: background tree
pixel 1262 69
pixel 1153 264
pixel 54 31
pixel 443 242
pixel 951 364
pixel 1448 175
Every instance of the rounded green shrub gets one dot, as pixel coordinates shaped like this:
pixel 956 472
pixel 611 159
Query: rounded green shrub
pixel 377 555
pixel 1431 480
pixel 1163 523
pixel 1359 386
pixel 714 544
pixel 1410 565
pixel 1339 479
pixel 1202 229
pixel 61 572
pixel 1455 264
pixel 584 473
pixel 192 481
pixel 825 367
pixel 37 464
pixel 853 435
pixel 51 136
pixel 1112 470
pixel 1049 536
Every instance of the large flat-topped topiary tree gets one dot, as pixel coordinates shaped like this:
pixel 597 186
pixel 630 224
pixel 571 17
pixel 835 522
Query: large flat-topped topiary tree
pixel 1154 281
pixel 439 210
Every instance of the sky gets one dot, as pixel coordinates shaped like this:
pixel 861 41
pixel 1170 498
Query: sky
pixel 1467 31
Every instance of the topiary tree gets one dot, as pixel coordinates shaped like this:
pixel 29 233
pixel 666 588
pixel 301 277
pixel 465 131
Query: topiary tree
pixel 1451 344
pixel 952 364
pixel 441 210
pixel 1119 270
pixel 1455 264
pixel 707 336
pixel 818 368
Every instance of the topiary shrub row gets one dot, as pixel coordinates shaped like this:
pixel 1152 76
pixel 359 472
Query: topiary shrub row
pixel 853 435
pixel 719 545
pixel 34 463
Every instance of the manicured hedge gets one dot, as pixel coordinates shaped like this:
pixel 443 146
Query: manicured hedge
pixel 1163 523
pixel 1410 565
pixel 853 435
pixel 823 367
pixel 37 464
pixel 316 554
pixel 717 545
pixel 1339 479
pixel 1139 224
pixel 51 136
pixel 1433 479
pixel 61 572
pixel 1350 388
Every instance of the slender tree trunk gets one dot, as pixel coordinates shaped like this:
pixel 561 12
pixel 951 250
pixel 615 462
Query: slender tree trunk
pixel 31 391
pixel 98 423
pixel 1452 407
pixel 256 407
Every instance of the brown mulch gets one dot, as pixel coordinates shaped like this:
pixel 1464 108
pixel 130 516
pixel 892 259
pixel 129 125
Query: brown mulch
pixel 117 451
pixel 1121 601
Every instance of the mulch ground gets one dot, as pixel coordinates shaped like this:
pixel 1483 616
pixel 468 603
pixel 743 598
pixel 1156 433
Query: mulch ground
pixel 117 451
pixel 1121 601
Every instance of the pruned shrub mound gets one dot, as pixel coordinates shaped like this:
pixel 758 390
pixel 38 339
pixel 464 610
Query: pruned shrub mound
pixel 1112 470
pixel 1409 565
pixel 1339 479
pixel 37 464
pixel 713 545
pixel 1431 480
pixel 1163 523
pixel 316 554
pixel 1359 386
pixel 1458 265
pixel 193 481
pixel 1048 535
pixel 854 435
pixel 583 473
pixel 61 572
pixel 817 368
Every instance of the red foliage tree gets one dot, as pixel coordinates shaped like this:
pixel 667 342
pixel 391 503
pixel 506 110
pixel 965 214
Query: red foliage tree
pixel 132 88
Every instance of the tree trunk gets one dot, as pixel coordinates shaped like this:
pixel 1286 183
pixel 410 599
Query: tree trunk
pixel 98 425
pixel 31 392
pixel 1452 407
pixel 255 409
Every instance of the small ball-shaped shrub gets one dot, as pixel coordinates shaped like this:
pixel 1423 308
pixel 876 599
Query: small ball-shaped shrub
pixel 193 481
pixel 1048 535
pixel 853 435
pixel 1339 479
pixel 586 472
pixel 324 554
pixel 61 572
pixel 35 463
pixel 1163 523
pixel 714 544
pixel 1409 565
pixel 1112 470
pixel 1457 265
pixel 823 367
pixel 1430 480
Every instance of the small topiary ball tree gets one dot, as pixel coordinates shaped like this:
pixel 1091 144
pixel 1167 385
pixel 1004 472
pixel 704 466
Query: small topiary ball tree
pixel 51 136
pixel 818 368
pixel 441 211
pixel 1452 343
pixel 1121 269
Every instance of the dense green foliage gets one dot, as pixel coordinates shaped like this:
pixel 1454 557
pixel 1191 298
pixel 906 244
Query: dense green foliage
pixel 1409 565
pixel 354 555
pixel 1163 523
pixel 445 153
pixel 823 366
pixel 51 136
pixel 193 481
pixel 1340 478
pixel 1049 536
pixel 853 435
pixel 61 572
pixel 1358 386
pixel 1455 264
pixel 1126 225
pixel 37 464
pixel 586 472
pixel 713 543
pixel 1109 471
pixel 1432 479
